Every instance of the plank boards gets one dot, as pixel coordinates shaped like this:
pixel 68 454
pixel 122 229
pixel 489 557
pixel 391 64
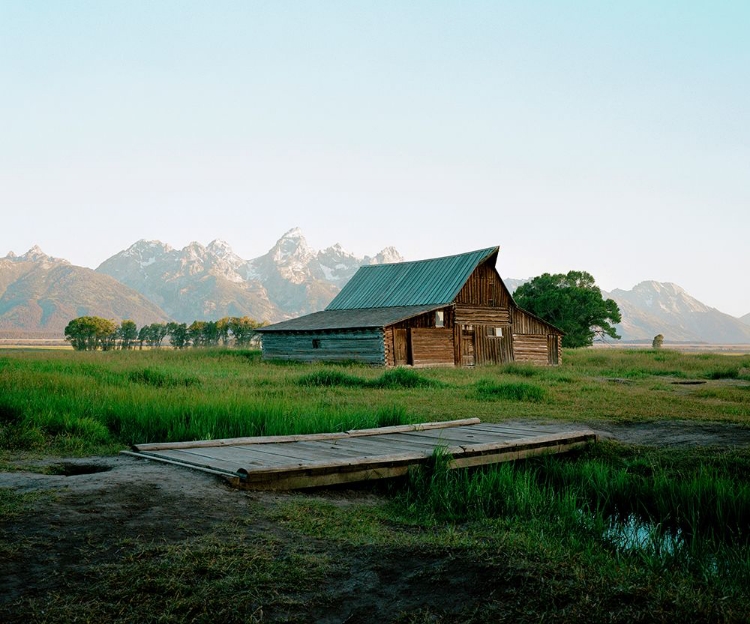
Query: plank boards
pixel 293 462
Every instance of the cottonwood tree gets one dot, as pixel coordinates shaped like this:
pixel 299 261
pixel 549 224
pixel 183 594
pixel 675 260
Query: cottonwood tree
pixel 195 332
pixel 127 334
pixel 573 303
pixel 88 333
pixel 243 329
pixel 178 335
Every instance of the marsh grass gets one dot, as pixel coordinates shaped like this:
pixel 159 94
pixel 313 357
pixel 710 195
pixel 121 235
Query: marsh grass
pixel 697 520
pixel 490 390
pixel 389 380
pixel 97 402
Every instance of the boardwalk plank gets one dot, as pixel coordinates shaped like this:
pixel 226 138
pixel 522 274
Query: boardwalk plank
pixel 290 462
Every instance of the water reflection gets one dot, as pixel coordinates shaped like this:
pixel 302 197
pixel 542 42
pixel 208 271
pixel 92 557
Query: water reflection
pixel 633 534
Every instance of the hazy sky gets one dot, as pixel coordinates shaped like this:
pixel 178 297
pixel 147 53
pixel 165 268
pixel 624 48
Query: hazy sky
pixel 611 137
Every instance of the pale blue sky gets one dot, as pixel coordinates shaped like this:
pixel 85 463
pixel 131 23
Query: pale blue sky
pixel 612 137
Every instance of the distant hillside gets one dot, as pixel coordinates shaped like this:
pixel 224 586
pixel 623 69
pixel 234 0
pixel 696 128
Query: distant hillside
pixel 652 308
pixel 41 294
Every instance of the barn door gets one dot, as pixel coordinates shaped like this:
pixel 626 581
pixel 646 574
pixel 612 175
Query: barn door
pixel 401 347
pixel 467 347
pixel 552 352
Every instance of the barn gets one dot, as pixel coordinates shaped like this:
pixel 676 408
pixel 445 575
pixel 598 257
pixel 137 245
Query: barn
pixel 452 311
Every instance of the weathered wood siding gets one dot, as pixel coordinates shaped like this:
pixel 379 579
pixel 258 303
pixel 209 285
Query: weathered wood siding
pixel 477 345
pixel 389 347
pixel 531 348
pixel 484 288
pixel 478 315
pixel 334 346
pixel 525 323
pixel 432 347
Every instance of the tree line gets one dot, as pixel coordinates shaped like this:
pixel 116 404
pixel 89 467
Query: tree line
pixel 89 333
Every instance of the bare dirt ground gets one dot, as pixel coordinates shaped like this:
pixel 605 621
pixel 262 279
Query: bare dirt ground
pixel 80 521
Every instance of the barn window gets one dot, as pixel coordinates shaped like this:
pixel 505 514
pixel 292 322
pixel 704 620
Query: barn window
pixel 316 343
pixel 439 319
pixel 497 331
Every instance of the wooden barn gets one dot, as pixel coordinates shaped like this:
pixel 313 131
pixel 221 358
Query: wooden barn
pixel 452 311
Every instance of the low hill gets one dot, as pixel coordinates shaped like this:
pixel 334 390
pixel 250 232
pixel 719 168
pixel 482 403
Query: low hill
pixel 41 294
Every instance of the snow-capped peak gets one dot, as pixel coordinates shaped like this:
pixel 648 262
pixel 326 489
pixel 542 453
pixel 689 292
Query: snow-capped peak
pixel 389 255
pixel 35 254
pixel 292 249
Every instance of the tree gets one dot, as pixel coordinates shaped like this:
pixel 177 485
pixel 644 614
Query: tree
pixel 222 327
pixel 243 329
pixel 195 332
pixel 178 335
pixel 157 332
pixel 573 303
pixel 657 342
pixel 143 335
pixel 127 334
pixel 88 333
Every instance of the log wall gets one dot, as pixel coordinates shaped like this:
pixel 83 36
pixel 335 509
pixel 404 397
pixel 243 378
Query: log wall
pixel 432 347
pixel 478 315
pixel 334 346
pixel 531 348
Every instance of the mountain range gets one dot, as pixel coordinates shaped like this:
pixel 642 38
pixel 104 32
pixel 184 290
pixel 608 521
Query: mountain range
pixel 152 282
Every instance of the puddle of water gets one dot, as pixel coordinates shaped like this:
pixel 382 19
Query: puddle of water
pixel 634 534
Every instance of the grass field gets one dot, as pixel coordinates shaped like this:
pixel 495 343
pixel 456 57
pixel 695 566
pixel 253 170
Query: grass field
pixel 612 533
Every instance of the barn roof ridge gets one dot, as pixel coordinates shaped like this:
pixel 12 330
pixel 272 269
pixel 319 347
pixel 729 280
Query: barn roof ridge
pixel 433 281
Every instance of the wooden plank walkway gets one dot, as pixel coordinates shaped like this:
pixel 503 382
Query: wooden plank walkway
pixel 302 461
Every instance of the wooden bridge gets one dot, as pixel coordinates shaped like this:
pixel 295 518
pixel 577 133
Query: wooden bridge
pixel 303 461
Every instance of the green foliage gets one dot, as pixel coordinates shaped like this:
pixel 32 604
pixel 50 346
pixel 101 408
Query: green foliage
pixel 491 390
pixel 684 515
pixel 571 302
pixel 657 342
pixel 88 333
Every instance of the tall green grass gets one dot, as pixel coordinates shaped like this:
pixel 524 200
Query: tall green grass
pixel 695 519
pixel 97 402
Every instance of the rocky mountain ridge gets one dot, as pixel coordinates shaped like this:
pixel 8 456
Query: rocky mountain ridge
pixel 151 281
pixel 212 281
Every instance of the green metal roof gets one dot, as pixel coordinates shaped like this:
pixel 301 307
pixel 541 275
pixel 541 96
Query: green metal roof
pixel 433 282
pixel 348 319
